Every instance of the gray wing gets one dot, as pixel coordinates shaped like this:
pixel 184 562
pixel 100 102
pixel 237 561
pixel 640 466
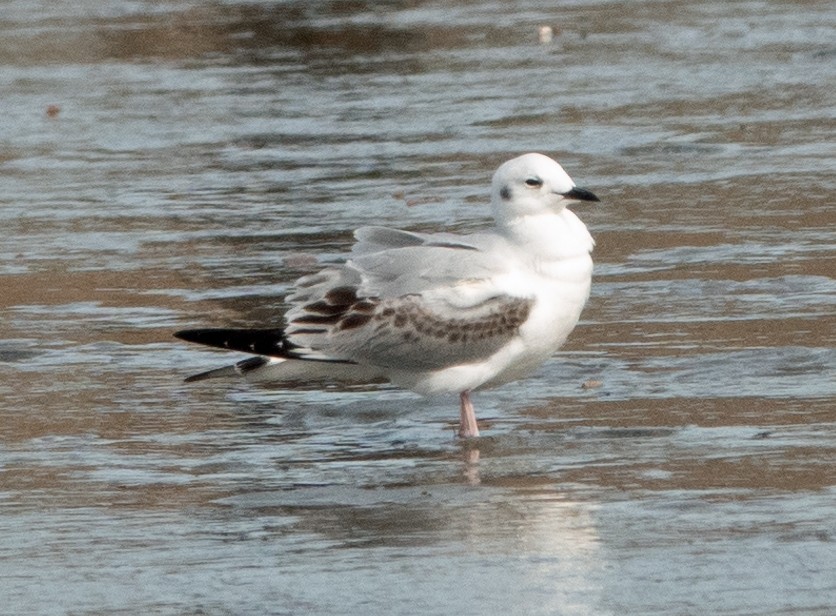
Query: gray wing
pixel 393 263
pixel 408 300
pixel 377 239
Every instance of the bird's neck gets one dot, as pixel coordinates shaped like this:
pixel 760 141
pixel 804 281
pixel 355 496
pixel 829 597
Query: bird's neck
pixel 549 236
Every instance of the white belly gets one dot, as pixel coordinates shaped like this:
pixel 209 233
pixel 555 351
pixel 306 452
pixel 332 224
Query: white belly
pixel 554 315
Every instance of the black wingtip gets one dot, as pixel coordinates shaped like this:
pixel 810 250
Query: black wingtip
pixel 186 334
pixel 235 370
pixel 257 341
pixel 198 377
pixel 200 336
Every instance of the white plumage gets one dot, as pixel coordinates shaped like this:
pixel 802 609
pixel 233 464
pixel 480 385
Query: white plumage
pixel 440 312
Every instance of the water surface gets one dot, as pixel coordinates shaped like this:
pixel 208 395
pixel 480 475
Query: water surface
pixel 179 164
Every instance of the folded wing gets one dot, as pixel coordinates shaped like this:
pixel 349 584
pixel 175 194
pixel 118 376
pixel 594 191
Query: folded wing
pixel 405 300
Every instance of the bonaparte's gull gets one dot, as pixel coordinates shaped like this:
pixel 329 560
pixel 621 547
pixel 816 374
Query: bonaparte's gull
pixel 436 313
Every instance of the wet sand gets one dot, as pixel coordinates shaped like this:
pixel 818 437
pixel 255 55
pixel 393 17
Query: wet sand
pixel 177 165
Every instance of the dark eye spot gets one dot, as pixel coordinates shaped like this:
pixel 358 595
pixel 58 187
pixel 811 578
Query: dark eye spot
pixel 534 182
pixel 505 193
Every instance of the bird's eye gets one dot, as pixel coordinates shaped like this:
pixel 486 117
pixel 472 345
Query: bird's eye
pixel 534 182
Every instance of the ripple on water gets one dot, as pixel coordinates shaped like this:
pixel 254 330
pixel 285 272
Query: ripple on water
pixel 198 158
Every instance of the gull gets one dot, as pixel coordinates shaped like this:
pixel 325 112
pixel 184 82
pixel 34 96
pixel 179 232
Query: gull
pixel 436 313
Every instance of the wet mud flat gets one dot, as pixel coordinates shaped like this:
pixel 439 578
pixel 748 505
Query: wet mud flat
pixel 180 165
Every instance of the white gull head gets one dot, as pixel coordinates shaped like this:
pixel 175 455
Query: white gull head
pixel 530 195
pixel 532 185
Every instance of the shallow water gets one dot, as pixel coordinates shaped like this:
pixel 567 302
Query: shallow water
pixel 676 458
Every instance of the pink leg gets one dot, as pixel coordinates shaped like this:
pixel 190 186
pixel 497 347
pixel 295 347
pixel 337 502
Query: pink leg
pixel 468 427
